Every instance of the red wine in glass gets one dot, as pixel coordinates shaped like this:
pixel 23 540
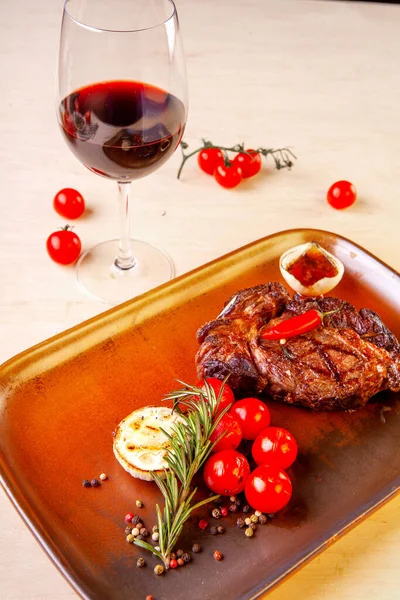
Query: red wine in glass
pixel 122 106
pixel 122 130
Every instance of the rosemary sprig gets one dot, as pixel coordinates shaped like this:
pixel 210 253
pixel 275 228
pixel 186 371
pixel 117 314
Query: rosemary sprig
pixel 190 447
pixel 282 157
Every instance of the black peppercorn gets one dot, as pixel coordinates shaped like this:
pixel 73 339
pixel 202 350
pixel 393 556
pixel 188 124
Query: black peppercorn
pixel 246 508
pixel 140 562
pixel 179 553
pixel 186 557
pixel 128 530
pixel 135 520
pixel 139 537
pixel 144 533
pixel 86 483
pixel 172 555
pixel 262 519
pixel 240 522
pixel 221 529
pixel 196 548
pixel 213 530
pixel 253 526
pixel 95 483
pixel 233 508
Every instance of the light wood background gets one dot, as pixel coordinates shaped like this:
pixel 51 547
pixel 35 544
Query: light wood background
pixel 320 76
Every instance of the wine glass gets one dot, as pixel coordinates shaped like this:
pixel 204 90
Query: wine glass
pixel 122 108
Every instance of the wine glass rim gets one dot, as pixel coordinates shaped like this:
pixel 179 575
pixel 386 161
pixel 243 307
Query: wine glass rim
pixel 127 30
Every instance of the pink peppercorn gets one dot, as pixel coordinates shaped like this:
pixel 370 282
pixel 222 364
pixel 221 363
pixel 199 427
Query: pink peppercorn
pixel 129 517
pixel 173 563
pixel 203 524
pixel 224 511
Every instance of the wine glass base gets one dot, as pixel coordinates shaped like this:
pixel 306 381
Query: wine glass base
pixel 103 280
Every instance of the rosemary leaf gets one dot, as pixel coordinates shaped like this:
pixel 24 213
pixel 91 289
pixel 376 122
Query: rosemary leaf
pixel 160 483
pixel 203 502
pixel 149 547
pixel 161 531
pixel 189 448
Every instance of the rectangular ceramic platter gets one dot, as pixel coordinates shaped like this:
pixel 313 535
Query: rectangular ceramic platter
pixel 60 402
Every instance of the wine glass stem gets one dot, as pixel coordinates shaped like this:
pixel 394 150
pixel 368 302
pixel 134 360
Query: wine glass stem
pixel 125 259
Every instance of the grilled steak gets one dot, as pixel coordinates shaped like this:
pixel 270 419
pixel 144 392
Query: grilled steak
pixel 338 365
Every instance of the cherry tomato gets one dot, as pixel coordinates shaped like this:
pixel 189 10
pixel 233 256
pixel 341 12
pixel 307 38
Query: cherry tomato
pixel 232 434
pixel 228 176
pixel 250 164
pixel 225 395
pixel 341 194
pixel 209 158
pixel 63 246
pixel 268 489
pixel 226 472
pixel 275 446
pixel 252 415
pixel 69 203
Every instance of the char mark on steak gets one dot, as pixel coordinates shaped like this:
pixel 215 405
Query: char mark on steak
pixel 339 365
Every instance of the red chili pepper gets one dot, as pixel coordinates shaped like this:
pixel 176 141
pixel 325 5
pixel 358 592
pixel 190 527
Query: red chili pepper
pixel 294 326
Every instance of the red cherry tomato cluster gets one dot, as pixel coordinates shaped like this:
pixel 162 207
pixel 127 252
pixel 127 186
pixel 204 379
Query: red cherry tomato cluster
pixel 229 173
pixel 268 487
pixel 229 165
pixel 64 246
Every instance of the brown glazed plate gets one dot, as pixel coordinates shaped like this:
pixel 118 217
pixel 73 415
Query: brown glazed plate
pixel 61 400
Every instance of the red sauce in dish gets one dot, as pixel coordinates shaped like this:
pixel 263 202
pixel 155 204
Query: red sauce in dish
pixel 312 266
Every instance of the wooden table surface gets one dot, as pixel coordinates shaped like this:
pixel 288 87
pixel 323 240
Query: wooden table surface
pixel 320 76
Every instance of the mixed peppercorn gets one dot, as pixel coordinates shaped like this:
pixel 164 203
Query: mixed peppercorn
pixel 247 523
pixel 94 482
pixel 136 530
